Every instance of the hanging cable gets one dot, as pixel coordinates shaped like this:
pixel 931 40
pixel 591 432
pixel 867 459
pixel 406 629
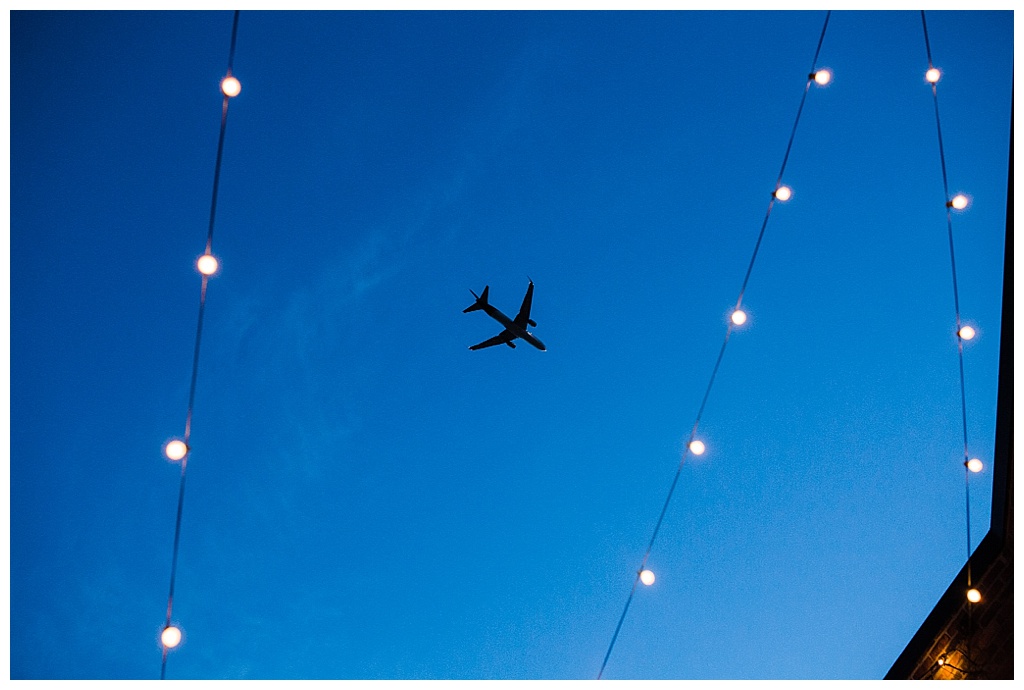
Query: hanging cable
pixel 780 193
pixel 171 636
pixel 962 332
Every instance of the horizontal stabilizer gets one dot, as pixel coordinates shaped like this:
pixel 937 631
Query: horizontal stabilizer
pixel 481 301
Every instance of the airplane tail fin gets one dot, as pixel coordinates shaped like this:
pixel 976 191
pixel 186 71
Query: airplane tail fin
pixel 481 301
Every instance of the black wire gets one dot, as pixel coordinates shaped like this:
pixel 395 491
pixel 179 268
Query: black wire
pixel 757 245
pixel 960 341
pixel 927 44
pixel 721 352
pixel 174 560
pixel 184 465
pixel 220 140
pixel 195 353
pixel 668 499
pixel 234 35
pixel 807 87
pixel 956 290
pixel 216 173
pixel 618 627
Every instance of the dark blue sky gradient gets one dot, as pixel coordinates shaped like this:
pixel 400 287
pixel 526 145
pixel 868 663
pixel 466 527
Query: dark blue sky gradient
pixel 369 499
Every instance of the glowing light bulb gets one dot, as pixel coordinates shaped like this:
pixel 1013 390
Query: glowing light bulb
pixel 647 577
pixel 967 333
pixel 959 202
pixel 941 661
pixel 823 77
pixel 975 465
pixel 170 637
pixel 973 595
pixel 175 450
pixel 207 264
pixel 783 193
pixel 739 317
pixel 932 75
pixel 230 87
pixel 697 447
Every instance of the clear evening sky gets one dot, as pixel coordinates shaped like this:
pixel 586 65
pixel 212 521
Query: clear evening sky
pixel 366 497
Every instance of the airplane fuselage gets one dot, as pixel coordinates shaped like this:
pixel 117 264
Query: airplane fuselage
pixel 516 330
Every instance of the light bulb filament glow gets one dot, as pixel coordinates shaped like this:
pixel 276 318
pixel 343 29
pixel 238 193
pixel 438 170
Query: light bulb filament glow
pixel 175 450
pixel 230 87
pixel 959 202
pixel 170 637
pixel 207 264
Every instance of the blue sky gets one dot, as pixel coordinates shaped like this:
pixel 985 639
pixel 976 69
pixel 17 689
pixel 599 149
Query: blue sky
pixel 369 499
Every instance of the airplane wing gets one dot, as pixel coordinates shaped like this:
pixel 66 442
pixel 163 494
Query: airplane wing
pixel 500 339
pixel 523 318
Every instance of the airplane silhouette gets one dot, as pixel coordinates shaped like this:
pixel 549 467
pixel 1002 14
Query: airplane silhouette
pixel 514 328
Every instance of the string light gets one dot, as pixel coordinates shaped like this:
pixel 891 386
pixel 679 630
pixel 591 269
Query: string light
pixel 207 264
pixel 822 77
pixel 175 450
pixel 647 577
pixel 958 202
pixel 781 193
pixel 975 465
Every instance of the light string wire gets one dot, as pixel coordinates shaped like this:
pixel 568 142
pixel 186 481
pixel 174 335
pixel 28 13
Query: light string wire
pixel 721 352
pixel 959 326
pixel 195 354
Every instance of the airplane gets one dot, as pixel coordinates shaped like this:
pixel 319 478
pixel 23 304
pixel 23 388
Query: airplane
pixel 514 328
